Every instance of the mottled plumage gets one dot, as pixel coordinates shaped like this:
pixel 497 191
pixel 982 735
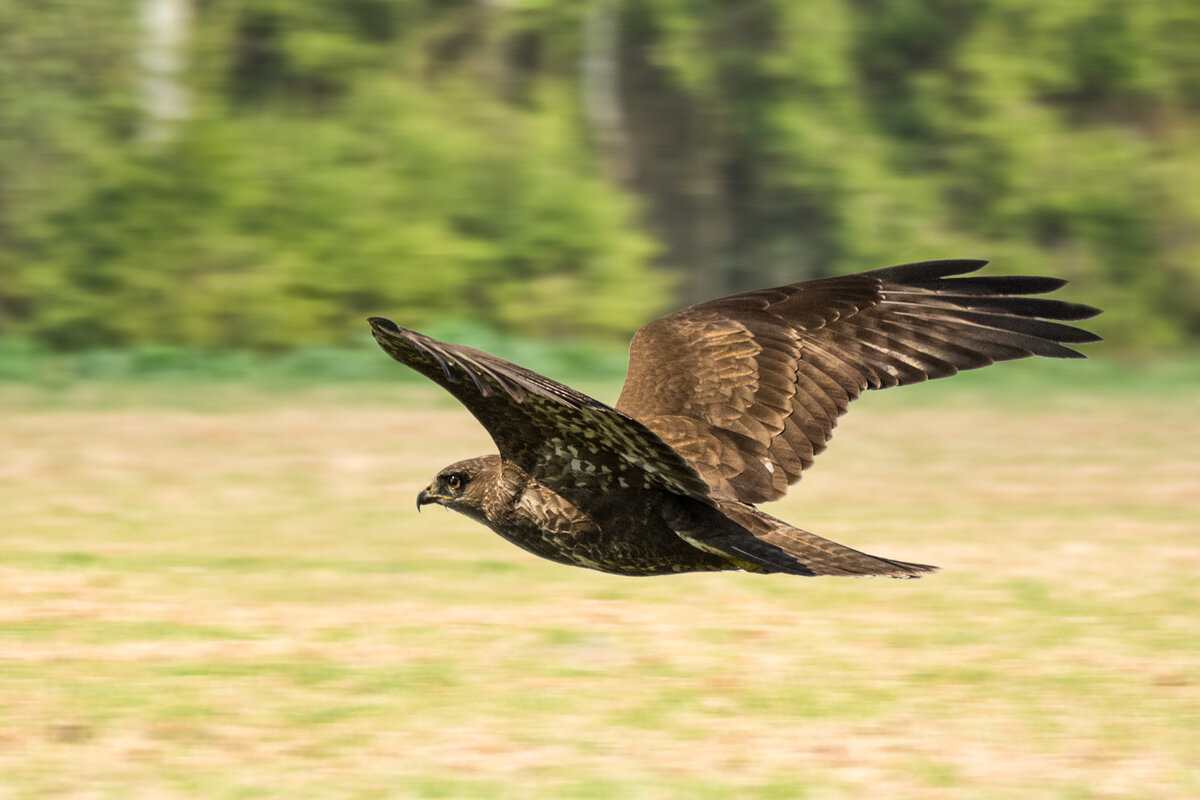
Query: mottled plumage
pixel 725 404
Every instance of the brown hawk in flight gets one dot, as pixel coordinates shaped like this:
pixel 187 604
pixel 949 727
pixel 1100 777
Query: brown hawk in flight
pixel 725 404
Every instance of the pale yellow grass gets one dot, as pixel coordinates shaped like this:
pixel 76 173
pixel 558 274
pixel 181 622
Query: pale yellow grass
pixel 246 604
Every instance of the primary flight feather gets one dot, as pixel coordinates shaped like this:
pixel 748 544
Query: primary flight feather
pixel 725 404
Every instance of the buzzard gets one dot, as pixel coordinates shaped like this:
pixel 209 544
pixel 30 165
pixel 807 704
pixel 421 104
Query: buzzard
pixel 724 406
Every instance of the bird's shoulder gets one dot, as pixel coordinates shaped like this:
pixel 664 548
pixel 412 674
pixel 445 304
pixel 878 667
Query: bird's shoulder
pixel 551 512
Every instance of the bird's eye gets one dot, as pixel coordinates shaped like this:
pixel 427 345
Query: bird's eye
pixel 455 482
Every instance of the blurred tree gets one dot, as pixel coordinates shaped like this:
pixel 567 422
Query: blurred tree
pixel 477 159
pixel 338 159
pixel 161 60
pixel 776 140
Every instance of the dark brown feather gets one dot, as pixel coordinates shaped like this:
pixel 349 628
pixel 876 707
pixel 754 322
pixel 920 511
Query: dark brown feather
pixel 748 388
pixel 726 403
pixel 562 438
pixel 762 543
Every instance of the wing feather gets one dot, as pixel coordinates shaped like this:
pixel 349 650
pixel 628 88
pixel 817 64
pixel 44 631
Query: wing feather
pixel 566 440
pixel 749 388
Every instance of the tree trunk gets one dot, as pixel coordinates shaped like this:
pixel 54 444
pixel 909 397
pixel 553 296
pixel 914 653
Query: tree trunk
pixel 161 60
pixel 676 161
pixel 600 78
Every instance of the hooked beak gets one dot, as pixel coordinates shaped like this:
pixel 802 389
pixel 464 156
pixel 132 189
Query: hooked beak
pixel 425 497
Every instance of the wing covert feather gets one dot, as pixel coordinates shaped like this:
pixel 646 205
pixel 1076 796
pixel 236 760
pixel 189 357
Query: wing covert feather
pixel 564 439
pixel 748 388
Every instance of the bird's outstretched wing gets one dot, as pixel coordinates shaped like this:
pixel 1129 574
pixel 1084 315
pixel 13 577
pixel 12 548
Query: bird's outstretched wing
pixel 748 388
pixel 563 438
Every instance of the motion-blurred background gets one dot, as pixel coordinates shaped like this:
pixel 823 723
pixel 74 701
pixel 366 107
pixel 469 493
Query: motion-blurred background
pixel 261 174
pixel 213 583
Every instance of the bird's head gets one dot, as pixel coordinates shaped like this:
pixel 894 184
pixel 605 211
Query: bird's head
pixel 462 486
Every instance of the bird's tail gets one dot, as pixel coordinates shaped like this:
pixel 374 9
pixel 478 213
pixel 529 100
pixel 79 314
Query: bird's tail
pixel 758 542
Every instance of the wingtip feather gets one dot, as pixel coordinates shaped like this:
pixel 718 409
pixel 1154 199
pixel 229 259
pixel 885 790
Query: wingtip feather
pixel 383 324
pixel 930 270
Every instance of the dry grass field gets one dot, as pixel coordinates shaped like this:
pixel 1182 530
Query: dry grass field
pixel 229 594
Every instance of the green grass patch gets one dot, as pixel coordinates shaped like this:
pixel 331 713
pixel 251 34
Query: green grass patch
pixel 242 602
pixel 174 377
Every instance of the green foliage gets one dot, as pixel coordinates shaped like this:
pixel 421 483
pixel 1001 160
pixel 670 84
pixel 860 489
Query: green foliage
pixel 24 362
pixel 430 160
pixel 323 175
pixel 1051 137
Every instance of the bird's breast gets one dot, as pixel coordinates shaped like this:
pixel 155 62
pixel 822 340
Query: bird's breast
pixel 623 533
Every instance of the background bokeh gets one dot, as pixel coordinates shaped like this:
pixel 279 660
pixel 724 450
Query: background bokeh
pixel 213 582
pixel 262 174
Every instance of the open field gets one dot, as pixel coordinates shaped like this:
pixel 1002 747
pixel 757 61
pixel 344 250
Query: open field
pixel 230 595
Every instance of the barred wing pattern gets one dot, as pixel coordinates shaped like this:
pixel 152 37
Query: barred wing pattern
pixel 564 439
pixel 748 388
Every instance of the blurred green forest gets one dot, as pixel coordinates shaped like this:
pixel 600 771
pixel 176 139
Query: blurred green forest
pixel 262 174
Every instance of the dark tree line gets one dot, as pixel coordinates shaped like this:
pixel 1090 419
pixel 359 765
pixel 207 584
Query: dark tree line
pixel 278 170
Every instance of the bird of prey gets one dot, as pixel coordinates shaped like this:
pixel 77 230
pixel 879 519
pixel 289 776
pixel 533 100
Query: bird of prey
pixel 724 405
